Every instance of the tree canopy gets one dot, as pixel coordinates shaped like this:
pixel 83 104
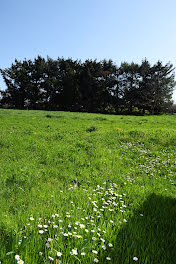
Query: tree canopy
pixel 90 86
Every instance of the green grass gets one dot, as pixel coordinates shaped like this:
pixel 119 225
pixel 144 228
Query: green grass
pixel 94 180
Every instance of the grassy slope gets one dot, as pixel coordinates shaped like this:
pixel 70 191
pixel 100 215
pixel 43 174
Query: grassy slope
pixel 52 162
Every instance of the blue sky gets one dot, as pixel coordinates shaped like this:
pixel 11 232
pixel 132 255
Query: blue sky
pixel 121 30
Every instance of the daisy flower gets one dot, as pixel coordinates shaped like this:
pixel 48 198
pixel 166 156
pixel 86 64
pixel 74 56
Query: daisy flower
pixel 59 254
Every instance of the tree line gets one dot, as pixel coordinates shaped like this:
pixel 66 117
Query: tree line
pixel 90 86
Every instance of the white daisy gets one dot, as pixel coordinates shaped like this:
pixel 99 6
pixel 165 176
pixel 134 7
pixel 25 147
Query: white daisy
pixel 59 254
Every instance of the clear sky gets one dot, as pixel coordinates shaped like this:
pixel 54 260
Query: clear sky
pixel 128 30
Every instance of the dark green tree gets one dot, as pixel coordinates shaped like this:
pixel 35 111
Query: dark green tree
pixel 162 87
pixel 129 80
pixel 16 78
pixel 90 91
pixel 69 84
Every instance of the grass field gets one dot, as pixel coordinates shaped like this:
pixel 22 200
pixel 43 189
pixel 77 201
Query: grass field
pixel 87 188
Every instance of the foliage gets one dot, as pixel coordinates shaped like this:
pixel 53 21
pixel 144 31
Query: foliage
pixel 92 86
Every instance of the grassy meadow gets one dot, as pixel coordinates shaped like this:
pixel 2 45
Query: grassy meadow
pixel 87 188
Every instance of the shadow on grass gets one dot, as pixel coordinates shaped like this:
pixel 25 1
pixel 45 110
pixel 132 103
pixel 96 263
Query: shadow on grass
pixel 151 237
